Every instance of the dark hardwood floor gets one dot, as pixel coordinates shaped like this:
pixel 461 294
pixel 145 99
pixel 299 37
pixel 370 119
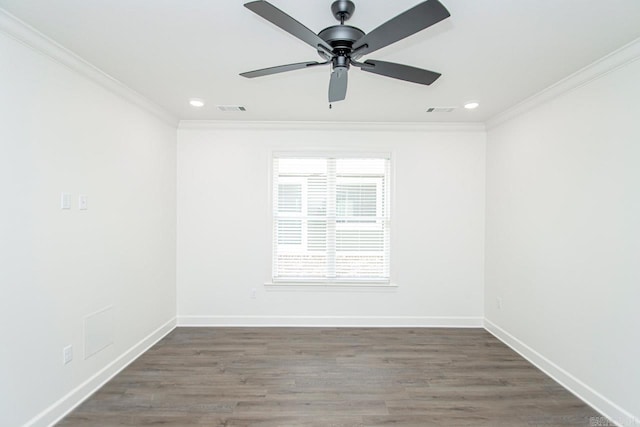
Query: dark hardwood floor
pixel 331 377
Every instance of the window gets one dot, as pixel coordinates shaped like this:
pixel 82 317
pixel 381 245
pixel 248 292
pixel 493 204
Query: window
pixel 331 219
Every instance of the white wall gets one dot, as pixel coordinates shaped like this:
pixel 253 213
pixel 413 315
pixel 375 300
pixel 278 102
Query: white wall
pixel 224 233
pixel 563 238
pixel 562 232
pixel 62 132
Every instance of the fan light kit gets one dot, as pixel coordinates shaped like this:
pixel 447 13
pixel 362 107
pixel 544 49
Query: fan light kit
pixel 341 46
pixel 196 102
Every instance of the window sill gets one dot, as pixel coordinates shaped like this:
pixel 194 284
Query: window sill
pixel 325 286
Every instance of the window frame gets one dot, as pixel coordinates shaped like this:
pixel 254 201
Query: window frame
pixel 389 188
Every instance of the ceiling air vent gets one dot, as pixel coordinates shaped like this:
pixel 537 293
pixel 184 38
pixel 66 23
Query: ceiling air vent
pixel 231 108
pixel 440 109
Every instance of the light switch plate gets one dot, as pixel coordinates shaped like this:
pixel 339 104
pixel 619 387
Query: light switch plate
pixel 83 202
pixel 67 354
pixel 65 201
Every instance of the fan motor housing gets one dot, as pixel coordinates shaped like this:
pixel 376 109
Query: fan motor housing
pixel 341 36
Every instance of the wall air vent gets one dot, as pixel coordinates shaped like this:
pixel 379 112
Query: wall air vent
pixel 231 108
pixel 440 109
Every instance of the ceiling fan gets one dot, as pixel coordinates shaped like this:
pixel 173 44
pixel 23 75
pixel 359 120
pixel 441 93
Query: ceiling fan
pixel 342 45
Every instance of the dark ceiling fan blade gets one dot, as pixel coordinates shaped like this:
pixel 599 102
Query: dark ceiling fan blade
pixel 280 69
pixel 338 84
pixel 287 23
pixel 399 71
pixel 407 23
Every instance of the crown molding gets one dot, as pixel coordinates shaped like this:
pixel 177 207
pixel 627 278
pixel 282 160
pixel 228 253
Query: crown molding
pixel 29 36
pixel 331 126
pixel 611 62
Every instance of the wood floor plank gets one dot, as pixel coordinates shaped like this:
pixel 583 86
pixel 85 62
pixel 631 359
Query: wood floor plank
pixel 312 377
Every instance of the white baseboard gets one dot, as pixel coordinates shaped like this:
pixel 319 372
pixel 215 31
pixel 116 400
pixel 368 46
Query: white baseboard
pixel 331 321
pixel 75 397
pixel 66 404
pixel 581 390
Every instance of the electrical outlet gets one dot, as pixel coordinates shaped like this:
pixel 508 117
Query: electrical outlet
pixel 254 291
pixel 499 303
pixel 67 354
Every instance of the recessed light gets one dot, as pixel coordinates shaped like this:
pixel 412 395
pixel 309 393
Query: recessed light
pixel 196 102
pixel 471 105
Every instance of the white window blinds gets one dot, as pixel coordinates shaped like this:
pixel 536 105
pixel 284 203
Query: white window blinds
pixel 330 219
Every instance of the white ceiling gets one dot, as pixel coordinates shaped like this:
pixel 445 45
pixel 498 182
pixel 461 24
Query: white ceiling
pixel 498 52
